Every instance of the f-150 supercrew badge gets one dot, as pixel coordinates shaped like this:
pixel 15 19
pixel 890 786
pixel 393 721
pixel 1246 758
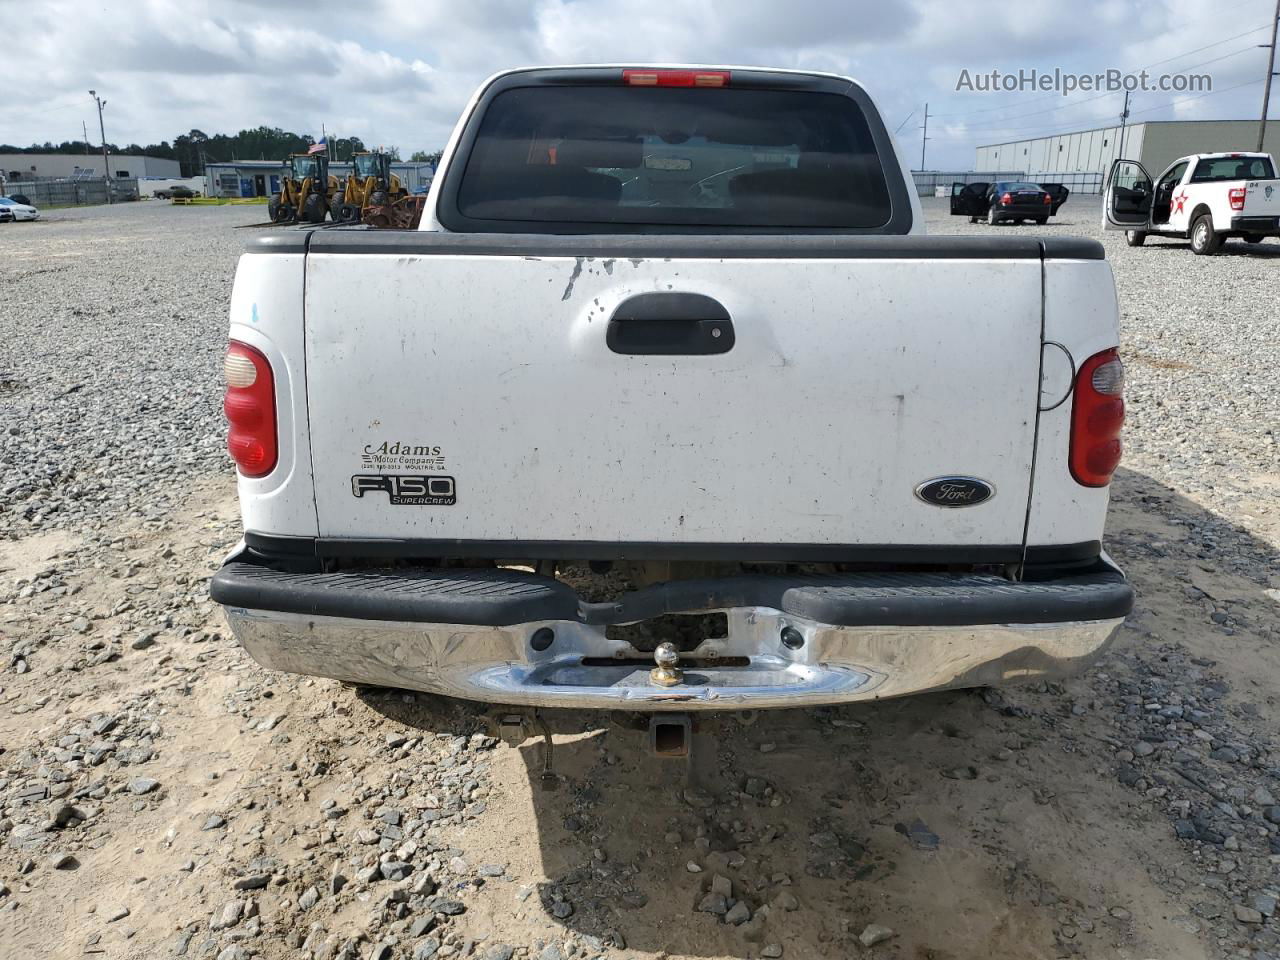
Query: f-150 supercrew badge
pixel 955 491
pixel 407 490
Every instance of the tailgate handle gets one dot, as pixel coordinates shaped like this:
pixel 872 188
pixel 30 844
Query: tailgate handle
pixel 670 324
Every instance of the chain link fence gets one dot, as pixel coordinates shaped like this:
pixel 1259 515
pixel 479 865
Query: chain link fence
pixel 928 181
pixel 71 191
pixel 1081 183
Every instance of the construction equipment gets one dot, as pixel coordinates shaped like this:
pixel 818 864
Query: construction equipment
pixel 370 185
pixel 402 214
pixel 307 190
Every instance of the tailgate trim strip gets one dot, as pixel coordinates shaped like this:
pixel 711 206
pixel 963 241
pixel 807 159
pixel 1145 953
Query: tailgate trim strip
pixel 929 554
pixel 349 240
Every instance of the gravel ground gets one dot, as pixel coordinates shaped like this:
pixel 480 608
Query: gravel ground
pixel 114 325
pixel 162 796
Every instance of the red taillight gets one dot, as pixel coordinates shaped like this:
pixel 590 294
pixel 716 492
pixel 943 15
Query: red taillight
pixel 1048 199
pixel 676 78
pixel 250 406
pixel 1005 200
pixel 1097 414
pixel 1235 196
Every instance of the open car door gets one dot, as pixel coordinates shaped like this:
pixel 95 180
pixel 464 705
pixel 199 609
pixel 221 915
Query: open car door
pixel 969 199
pixel 1127 204
pixel 1059 193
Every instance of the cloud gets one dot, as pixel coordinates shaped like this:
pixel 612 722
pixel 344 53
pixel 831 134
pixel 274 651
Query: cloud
pixel 400 71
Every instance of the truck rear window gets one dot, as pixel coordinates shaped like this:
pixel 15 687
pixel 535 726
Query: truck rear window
pixel 1233 168
pixel 675 156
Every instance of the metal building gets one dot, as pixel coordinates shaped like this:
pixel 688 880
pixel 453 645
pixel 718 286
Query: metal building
pixel 261 178
pixel 45 166
pixel 1155 144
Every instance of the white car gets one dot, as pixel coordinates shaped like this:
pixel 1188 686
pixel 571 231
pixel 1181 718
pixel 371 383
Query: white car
pixel 19 211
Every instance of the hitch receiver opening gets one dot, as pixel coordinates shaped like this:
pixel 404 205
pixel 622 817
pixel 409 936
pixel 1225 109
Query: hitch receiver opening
pixel 669 735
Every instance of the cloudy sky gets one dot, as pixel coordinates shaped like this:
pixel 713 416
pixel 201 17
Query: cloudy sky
pixel 399 71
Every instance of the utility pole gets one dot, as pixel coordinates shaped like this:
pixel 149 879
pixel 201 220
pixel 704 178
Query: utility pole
pixel 106 164
pixel 1124 120
pixel 924 135
pixel 1266 86
pixel 85 127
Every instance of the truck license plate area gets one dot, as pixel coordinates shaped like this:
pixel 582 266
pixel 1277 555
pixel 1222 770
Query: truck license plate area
pixel 701 681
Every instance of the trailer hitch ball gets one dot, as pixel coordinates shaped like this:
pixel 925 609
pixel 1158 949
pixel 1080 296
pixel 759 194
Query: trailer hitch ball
pixel 792 638
pixel 667 673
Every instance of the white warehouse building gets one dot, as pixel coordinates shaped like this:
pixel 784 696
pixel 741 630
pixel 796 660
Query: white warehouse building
pixel 1155 144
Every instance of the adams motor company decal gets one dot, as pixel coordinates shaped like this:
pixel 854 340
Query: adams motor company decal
pixel 401 455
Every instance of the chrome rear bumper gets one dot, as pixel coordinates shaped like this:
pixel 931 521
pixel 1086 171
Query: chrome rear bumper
pixel 750 669
pixel 506 636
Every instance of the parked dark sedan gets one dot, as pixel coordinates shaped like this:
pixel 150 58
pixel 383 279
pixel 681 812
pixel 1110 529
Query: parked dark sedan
pixel 176 192
pixel 1007 201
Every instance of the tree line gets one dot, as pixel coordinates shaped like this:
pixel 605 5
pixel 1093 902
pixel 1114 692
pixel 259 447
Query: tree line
pixel 194 149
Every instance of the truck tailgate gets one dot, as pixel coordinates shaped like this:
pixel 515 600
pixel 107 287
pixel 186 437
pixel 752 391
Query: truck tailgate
pixel 1262 198
pixel 481 376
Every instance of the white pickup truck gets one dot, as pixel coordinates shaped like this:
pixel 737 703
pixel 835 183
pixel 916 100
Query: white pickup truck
pixel 670 406
pixel 1207 199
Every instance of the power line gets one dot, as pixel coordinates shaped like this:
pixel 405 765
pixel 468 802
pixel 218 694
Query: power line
pixel 1187 53
pixel 1159 106
pixel 1037 113
pixel 1001 124
pixel 1216 43
pixel 1211 93
pixel 1225 56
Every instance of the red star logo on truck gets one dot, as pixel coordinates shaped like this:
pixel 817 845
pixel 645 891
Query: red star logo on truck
pixel 1180 200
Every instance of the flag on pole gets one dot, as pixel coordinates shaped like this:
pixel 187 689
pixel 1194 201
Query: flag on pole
pixel 319 146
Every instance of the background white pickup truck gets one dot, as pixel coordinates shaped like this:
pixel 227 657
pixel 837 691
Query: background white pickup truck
pixel 1207 198
pixel 670 360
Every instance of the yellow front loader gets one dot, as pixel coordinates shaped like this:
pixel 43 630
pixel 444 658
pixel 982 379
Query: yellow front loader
pixel 307 191
pixel 370 187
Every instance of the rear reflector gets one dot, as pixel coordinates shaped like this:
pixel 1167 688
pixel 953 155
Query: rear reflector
pixel 239 370
pixel 676 78
pixel 250 406
pixel 1097 414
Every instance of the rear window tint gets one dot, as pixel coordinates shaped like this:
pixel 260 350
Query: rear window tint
pixel 675 156
pixel 1233 168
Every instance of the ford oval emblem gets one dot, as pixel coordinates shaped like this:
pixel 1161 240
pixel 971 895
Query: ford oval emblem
pixel 955 491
